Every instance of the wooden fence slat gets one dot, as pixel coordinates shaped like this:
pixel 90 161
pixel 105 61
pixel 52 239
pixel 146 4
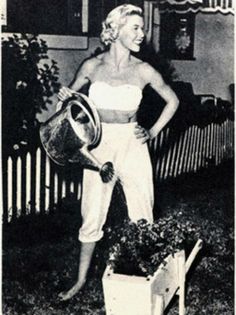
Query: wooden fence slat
pixel 215 145
pixel 212 153
pixel 196 153
pixel 63 192
pixel 207 145
pixel 9 181
pixel 5 189
pixel 193 149
pixel 204 147
pixel 188 150
pixel 228 138
pixel 56 183
pixel 219 144
pixel 168 161
pixel 32 183
pixel 23 185
pixel 19 186
pixel 189 154
pixel 79 191
pixel 173 154
pixel 47 184
pixel 14 189
pixel 210 143
pixel 28 185
pixel 185 139
pixel 42 180
pixel 178 158
pixel 223 141
pixel 52 186
pixel 173 158
pixel 154 154
pixel 157 167
pixel 200 151
pixel 166 151
pixel 37 180
pixel 225 138
pixel 232 139
pixel 162 156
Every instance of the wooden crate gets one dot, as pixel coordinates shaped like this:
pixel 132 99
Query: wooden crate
pixel 133 295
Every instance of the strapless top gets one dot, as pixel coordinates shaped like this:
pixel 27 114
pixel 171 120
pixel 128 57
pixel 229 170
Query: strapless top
pixel 125 97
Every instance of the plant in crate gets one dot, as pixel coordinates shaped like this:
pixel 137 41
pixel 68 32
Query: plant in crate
pixel 140 248
pixel 29 79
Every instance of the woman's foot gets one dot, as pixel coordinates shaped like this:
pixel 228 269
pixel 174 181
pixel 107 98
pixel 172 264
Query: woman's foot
pixel 66 295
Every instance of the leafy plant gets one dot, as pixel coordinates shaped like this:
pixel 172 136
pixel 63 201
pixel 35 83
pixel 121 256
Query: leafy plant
pixel 140 248
pixel 29 79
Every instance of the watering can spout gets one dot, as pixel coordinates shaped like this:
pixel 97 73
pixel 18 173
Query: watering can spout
pixel 84 157
pixel 70 134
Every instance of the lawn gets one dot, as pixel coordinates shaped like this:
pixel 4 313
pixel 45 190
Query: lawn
pixel 40 254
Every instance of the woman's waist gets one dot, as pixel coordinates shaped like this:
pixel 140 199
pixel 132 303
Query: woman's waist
pixel 117 116
pixel 113 131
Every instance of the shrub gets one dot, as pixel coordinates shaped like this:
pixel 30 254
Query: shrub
pixel 29 79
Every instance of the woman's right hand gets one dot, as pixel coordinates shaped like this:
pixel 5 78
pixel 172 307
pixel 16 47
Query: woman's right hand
pixel 65 93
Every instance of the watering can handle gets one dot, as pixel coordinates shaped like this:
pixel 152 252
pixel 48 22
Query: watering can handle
pixel 60 103
pixel 59 106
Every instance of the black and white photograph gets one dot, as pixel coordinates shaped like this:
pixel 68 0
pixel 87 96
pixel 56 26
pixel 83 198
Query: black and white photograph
pixel 117 157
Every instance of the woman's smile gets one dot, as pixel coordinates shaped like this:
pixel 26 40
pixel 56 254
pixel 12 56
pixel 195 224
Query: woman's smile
pixel 131 34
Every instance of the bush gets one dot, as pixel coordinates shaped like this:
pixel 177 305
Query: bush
pixel 28 82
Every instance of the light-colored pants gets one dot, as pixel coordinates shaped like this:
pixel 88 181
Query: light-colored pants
pixel 133 167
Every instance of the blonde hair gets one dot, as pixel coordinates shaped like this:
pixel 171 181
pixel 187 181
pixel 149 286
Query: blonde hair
pixel 116 18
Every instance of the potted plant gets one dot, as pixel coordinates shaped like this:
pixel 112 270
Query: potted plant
pixel 146 265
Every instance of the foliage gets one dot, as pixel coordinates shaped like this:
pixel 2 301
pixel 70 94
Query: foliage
pixel 29 79
pixel 140 248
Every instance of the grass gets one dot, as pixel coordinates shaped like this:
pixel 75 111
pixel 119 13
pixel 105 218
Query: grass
pixel 40 254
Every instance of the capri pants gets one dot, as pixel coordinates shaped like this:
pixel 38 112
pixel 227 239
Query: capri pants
pixel 133 167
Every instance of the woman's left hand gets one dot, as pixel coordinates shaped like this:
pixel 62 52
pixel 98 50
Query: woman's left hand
pixel 142 134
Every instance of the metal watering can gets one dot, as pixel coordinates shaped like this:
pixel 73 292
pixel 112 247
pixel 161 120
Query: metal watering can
pixel 71 132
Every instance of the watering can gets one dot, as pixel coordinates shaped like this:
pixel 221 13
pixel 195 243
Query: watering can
pixel 70 134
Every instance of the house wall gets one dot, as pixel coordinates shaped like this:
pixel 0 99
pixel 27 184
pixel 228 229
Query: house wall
pixel 213 69
pixel 210 73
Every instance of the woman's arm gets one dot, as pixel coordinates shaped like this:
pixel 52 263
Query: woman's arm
pixel 152 77
pixel 81 78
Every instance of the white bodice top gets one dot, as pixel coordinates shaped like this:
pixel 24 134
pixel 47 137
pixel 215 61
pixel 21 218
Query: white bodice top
pixel 125 97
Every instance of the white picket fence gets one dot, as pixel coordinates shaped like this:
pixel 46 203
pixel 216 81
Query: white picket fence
pixel 33 184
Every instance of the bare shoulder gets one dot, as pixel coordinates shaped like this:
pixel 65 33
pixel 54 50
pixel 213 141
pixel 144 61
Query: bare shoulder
pixel 149 73
pixel 90 64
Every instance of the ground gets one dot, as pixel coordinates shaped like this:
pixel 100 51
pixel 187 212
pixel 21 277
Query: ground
pixel 40 254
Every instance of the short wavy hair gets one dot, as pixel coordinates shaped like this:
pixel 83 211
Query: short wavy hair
pixel 116 18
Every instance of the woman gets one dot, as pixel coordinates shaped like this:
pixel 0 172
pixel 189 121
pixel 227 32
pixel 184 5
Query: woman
pixel 116 82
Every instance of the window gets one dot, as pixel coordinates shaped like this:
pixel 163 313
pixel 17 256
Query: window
pixel 62 23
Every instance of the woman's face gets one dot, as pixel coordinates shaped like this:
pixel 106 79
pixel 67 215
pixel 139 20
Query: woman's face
pixel 131 34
